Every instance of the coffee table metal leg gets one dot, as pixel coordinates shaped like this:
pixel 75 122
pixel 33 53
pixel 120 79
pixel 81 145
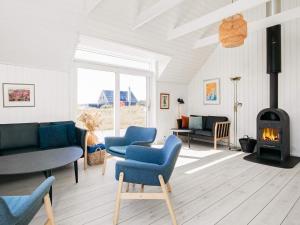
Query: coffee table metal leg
pixel 189 140
pixel 76 171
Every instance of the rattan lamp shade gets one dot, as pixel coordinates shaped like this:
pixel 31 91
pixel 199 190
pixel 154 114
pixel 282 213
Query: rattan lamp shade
pixel 233 31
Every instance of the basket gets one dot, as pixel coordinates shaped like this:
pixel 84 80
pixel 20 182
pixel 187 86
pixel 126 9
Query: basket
pixel 95 158
pixel 247 144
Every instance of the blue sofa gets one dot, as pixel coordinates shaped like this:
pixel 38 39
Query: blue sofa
pixel 29 137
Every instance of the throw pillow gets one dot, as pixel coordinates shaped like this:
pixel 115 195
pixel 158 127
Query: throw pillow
pixel 195 122
pixel 185 122
pixel 53 136
pixel 71 131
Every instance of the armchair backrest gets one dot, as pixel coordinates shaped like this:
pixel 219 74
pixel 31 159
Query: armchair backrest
pixel 171 151
pixel 24 213
pixel 143 135
pixel 5 214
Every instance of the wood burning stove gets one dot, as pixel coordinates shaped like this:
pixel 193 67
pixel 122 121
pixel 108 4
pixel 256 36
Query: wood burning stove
pixel 273 124
pixel 273 135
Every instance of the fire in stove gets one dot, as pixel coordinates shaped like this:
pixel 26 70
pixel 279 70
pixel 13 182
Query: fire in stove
pixel 270 134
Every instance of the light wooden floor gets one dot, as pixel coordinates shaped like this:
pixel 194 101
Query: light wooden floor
pixel 209 187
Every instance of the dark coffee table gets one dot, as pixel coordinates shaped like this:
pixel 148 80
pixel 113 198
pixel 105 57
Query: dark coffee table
pixel 187 131
pixel 41 161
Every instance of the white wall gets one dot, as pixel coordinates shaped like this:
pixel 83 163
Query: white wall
pixel 52 95
pixel 55 98
pixel 249 62
pixel 166 118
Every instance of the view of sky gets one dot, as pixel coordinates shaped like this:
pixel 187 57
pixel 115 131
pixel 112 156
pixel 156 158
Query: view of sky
pixel 92 82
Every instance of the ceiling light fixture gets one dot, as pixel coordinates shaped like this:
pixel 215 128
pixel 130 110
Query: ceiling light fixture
pixel 233 31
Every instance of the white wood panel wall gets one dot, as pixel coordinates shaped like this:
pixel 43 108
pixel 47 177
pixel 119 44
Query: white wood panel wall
pixel 249 61
pixel 52 95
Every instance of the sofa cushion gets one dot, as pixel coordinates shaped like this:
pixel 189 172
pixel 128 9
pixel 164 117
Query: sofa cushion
pixel 211 120
pixel 53 136
pixel 18 135
pixel 206 133
pixel 71 130
pixel 13 151
pixel 195 122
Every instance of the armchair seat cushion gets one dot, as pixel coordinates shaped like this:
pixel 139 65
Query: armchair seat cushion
pixel 119 149
pixel 139 172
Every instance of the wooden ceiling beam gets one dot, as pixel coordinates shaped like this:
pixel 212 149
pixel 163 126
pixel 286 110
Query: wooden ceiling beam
pixel 255 26
pixel 154 11
pixel 214 17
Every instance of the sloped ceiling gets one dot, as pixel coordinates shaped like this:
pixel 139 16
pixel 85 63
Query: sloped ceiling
pixel 44 34
pixel 113 20
pixel 39 33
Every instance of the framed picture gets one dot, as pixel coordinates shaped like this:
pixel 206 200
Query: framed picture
pixel 212 91
pixel 18 95
pixel 164 101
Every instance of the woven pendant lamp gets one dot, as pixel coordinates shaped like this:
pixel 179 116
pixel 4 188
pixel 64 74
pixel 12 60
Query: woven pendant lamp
pixel 233 31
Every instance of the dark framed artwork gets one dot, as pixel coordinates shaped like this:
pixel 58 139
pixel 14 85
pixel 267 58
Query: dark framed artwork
pixel 164 101
pixel 18 95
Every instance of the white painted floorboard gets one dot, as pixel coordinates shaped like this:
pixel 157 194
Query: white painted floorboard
pixel 231 191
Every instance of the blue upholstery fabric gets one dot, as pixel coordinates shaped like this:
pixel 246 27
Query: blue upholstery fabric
pixel 53 136
pixel 96 147
pixel 133 136
pixel 71 131
pixel 119 149
pixel 144 164
pixel 19 210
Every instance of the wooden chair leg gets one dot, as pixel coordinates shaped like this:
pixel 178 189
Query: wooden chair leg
pixel 215 143
pixel 118 199
pixel 142 187
pixel 169 187
pixel 127 187
pixel 167 199
pixel 49 211
pixel 104 163
pixel 228 141
pixel 85 152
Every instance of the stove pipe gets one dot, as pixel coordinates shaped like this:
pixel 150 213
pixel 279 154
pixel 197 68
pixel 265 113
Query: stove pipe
pixel 274 52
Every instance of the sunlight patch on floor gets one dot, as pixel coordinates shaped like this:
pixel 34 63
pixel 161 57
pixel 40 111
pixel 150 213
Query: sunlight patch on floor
pixel 188 156
pixel 213 163
pixel 181 161
pixel 197 154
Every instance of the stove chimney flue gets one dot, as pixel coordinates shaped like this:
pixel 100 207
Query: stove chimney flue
pixel 274 52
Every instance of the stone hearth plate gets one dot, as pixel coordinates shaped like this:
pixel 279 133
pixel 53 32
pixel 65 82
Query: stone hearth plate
pixel 290 163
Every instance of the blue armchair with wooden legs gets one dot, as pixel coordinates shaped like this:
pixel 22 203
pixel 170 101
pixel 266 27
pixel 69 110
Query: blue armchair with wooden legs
pixel 148 166
pixel 19 210
pixel 117 146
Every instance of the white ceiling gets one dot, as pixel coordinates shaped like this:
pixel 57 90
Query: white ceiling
pixel 114 20
pixel 39 33
pixel 44 34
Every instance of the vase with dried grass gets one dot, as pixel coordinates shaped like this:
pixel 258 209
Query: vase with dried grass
pixel 92 122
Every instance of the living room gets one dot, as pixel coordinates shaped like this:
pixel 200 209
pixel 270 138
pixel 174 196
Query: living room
pixel 206 92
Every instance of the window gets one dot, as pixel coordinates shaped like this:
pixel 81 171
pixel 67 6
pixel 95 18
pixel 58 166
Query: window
pixel 97 96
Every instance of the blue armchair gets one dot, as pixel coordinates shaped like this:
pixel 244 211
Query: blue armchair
pixel 19 210
pixel 117 146
pixel 148 166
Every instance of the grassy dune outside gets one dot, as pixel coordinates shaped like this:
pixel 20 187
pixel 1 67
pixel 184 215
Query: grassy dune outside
pixel 130 115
